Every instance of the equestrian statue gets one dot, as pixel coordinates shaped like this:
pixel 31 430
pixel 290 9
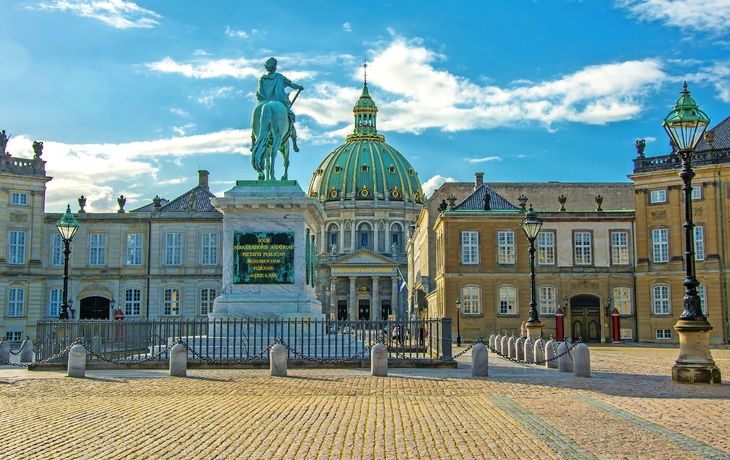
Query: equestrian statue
pixel 272 123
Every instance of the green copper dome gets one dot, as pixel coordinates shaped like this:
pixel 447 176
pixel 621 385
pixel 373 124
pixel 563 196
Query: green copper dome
pixel 365 167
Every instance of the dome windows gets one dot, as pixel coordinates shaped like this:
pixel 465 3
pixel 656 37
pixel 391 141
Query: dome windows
pixel 410 171
pixel 391 169
pixel 364 168
pixel 334 193
pixel 364 192
pixel 338 169
pixel 395 193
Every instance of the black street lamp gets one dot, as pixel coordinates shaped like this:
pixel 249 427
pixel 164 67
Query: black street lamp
pixel 685 125
pixel 67 227
pixel 458 322
pixel 531 224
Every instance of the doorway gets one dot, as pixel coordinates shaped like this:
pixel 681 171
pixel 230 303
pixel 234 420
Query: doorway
pixel 585 313
pixel 341 310
pixel 363 309
pixel 385 309
pixel 94 308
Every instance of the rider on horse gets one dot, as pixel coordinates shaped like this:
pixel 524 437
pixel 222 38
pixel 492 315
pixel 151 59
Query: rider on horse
pixel 271 88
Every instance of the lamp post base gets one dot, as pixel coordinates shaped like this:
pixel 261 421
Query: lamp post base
pixel 695 363
pixel 534 327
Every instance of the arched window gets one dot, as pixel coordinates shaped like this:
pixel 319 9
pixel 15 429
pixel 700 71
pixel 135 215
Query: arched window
pixel 364 236
pixel 546 300
pixel 332 238
pixel 470 300
pixel 396 238
pixel 508 300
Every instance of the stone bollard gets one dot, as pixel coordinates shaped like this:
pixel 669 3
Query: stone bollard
pixel 539 355
pixel 379 360
pixel 178 361
pixel 277 360
pixel 504 351
pixel 550 354
pixel 77 362
pixel 5 351
pixel 520 346
pixel 565 363
pixel 581 361
pixel 479 361
pixel 491 340
pixel 26 352
pixel 529 350
pixel 511 347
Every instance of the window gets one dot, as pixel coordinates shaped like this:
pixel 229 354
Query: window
pixel 132 302
pixel 626 333
pixel 209 248
pixel 546 248
pixel 19 199
pixel 703 301
pixel 57 250
pixel 546 300
pixel 173 248
pixel 172 301
pixel 582 248
pixel 660 300
pixel 207 296
pixel 660 242
pixel 622 300
pixel 470 300
pixel 134 249
pixel 696 192
pixel 14 336
pixel 506 245
pixel 658 196
pixel 16 248
pixel 620 248
pixel 97 249
pixel 469 248
pixel 663 333
pixel 16 302
pixel 55 297
pixel 507 300
pixel 699 237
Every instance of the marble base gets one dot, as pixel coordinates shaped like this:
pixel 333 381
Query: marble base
pixel 272 306
pixel 695 363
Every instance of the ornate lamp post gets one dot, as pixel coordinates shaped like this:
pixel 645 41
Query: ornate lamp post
pixel 531 224
pixel 67 227
pixel 685 125
pixel 458 322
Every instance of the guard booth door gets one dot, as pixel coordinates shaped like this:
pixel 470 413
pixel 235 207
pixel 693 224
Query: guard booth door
pixel 586 316
pixel 363 309
pixel 341 310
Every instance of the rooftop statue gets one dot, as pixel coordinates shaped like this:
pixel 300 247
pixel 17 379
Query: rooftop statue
pixel 37 149
pixel 272 122
pixel 3 142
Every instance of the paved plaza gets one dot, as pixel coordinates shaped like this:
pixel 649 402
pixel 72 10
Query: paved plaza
pixel 628 409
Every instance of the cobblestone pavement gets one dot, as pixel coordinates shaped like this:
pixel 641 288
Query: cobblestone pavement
pixel 628 409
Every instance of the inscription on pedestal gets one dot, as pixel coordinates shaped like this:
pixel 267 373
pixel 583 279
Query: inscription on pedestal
pixel 263 257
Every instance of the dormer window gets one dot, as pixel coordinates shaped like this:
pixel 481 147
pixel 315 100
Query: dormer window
pixel 338 169
pixel 364 168
pixel 391 169
pixel 410 171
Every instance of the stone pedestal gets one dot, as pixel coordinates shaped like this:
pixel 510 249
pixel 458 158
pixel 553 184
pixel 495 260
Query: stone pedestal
pixel 76 362
pixel 379 360
pixel 264 222
pixel 278 361
pixel 534 330
pixel 479 361
pixel 695 363
pixel 179 361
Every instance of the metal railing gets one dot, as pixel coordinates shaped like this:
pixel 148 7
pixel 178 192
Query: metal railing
pixel 243 339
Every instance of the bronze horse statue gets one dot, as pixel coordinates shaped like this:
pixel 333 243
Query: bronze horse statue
pixel 269 134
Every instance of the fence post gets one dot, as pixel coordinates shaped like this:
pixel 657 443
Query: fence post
pixel 77 362
pixel 5 351
pixel 550 361
pixel 179 361
pixel 539 355
pixel 26 352
pixel 277 360
pixel 446 337
pixel 511 351
pixel 565 362
pixel 479 361
pixel 529 350
pixel 379 360
pixel 582 361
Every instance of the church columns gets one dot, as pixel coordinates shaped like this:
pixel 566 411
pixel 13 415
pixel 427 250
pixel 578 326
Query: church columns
pixel 375 311
pixel 352 313
pixel 375 236
pixel 341 239
pixel 387 236
pixel 394 295
pixel 353 235
pixel 323 249
pixel 333 298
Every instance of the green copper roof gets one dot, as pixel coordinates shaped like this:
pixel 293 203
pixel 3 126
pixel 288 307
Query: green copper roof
pixel 365 166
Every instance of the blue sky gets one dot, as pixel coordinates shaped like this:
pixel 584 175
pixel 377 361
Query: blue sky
pixel 133 97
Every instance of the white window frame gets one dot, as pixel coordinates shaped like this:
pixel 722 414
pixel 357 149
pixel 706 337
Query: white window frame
pixel 620 248
pixel 660 245
pixel 207 298
pixel 508 300
pixel 173 249
pixel 660 300
pixel 133 251
pixel 171 302
pixel 582 248
pixel 663 334
pixel 658 196
pixel 699 240
pixel 57 256
pixel 55 299
pixel 14 336
pixel 209 248
pixel 16 303
pixel 622 300
pixel 547 300
pixel 469 247
pixel 627 333
pixel 506 247
pixel 132 302
pixel 97 249
pixel 19 199
pixel 471 300
pixel 702 294
pixel 16 247
pixel 546 248
pixel 696 193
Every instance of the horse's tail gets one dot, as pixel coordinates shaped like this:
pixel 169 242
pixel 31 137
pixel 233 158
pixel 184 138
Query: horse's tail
pixel 259 149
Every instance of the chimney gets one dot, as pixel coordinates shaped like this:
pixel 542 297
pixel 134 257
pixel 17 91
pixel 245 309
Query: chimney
pixel 478 179
pixel 203 178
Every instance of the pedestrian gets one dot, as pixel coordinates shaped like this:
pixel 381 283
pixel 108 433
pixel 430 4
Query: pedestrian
pixel 524 329
pixel 421 331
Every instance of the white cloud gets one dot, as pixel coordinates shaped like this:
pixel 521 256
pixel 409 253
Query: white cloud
pixel 482 160
pixel 346 27
pixel 181 130
pixel 698 15
pixel 116 13
pixel 180 112
pixel 208 98
pixel 209 68
pixel 236 33
pixel 435 182
pixel 201 53
pixel 717 74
